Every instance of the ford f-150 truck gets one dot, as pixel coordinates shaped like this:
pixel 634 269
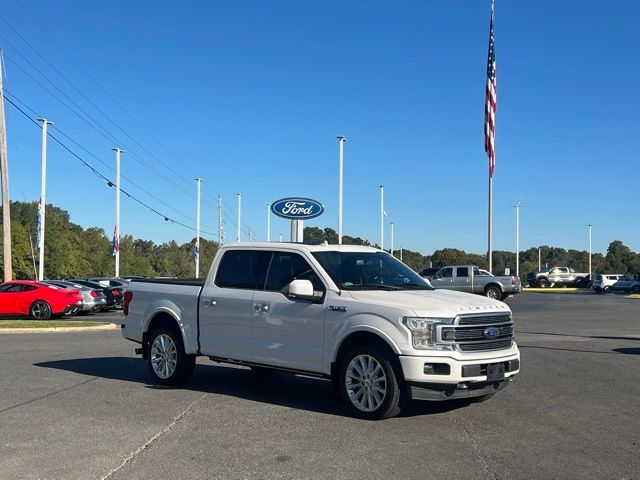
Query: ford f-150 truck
pixel 351 314
pixel 470 279
pixel 557 276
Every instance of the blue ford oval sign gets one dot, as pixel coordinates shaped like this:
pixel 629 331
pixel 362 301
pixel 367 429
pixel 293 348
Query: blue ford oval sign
pixel 297 208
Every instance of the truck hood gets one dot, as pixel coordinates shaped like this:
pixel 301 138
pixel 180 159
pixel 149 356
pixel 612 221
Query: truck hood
pixel 439 303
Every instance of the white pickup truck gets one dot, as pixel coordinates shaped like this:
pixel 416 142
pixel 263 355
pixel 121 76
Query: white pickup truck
pixel 354 315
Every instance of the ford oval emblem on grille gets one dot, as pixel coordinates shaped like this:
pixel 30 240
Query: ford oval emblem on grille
pixel 491 333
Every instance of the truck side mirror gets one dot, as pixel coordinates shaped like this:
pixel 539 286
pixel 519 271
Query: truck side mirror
pixel 301 290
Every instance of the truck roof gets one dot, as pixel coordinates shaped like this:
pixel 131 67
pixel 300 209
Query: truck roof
pixel 300 246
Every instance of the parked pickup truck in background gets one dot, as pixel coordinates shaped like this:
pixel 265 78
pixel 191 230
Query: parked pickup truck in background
pixel 351 314
pixel 558 276
pixel 470 279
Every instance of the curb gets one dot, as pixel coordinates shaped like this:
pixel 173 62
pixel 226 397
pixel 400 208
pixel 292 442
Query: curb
pixel 556 290
pixel 633 295
pixel 108 326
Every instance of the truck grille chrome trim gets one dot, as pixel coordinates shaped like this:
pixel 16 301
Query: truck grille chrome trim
pixel 478 332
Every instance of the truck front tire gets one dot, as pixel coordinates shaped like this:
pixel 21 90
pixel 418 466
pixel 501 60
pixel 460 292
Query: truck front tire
pixel 543 283
pixel 370 385
pixel 167 361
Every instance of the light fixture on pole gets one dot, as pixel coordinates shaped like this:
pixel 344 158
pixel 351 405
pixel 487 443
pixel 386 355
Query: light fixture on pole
pixel 590 225
pixel 517 206
pixel 341 141
pixel 43 198
pixel 239 215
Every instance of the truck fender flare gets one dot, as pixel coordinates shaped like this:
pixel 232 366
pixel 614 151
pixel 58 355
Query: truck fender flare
pixel 165 312
pixel 364 329
pixel 493 284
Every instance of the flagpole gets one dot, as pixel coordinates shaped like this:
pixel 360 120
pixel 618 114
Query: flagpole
pixel 490 229
pixel 341 141
pixel 382 217
pixel 43 199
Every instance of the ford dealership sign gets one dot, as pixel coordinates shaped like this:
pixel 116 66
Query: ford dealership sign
pixel 297 208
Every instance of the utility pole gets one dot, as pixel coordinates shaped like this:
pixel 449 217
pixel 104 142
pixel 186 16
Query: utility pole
pixel 590 225
pixel 43 196
pixel 341 141
pixel 249 235
pixel 268 222
pixel 392 240
pixel 381 217
pixel 197 246
pixel 219 220
pixel 280 239
pixel 401 254
pixel 4 173
pixel 517 206
pixel 116 232
pixel 239 215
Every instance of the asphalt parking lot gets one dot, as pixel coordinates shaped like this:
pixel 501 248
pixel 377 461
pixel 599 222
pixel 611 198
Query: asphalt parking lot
pixel 80 406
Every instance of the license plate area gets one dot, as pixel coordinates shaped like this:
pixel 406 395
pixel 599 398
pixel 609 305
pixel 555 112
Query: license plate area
pixel 495 371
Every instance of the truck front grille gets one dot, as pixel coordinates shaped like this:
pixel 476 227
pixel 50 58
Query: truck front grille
pixel 478 333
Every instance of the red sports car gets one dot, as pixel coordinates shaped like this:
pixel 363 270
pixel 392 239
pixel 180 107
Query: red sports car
pixel 37 300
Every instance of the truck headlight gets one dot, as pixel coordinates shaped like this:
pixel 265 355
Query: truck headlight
pixel 423 332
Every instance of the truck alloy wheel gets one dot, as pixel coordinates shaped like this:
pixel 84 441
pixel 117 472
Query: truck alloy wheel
pixel 544 283
pixel 493 292
pixel 369 384
pixel 167 361
pixel 40 310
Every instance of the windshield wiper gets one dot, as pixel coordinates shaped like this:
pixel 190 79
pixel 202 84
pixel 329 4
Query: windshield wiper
pixel 372 286
pixel 411 286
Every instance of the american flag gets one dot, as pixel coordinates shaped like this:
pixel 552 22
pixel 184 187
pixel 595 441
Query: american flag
pixel 115 241
pixel 39 225
pixel 491 102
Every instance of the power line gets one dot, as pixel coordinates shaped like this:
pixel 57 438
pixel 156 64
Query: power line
pixel 100 175
pixel 69 138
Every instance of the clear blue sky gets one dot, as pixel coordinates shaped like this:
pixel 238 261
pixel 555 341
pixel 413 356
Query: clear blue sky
pixel 250 95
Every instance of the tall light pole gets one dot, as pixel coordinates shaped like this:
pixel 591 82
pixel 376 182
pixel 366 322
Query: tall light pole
pixel 539 259
pixel 280 237
pixel 268 222
pixel 116 230
pixel 239 215
pixel 196 248
pixel 590 225
pixel 517 206
pixel 341 141
pixel 392 239
pixel 219 220
pixel 43 196
pixel 381 217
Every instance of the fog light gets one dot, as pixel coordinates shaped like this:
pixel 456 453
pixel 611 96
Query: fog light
pixel 437 369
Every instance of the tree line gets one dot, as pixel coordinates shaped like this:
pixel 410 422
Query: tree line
pixel 73 251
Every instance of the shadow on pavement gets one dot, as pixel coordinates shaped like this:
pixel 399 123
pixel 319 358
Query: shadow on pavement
pixel 293 391
pixel 628 351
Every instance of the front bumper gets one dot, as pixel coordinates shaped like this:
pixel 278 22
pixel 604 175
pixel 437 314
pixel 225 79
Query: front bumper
pixel 442 377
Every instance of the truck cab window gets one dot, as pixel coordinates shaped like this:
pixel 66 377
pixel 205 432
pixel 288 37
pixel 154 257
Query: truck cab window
pixel 244 269
pixel 445 273
pixel 286 267
pixel 462 271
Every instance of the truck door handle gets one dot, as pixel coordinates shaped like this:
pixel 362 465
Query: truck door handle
pixel 260 307
pixel 209 303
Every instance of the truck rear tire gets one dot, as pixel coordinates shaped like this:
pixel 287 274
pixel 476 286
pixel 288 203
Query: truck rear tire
pixel 493 292
pixel 167 361
pixel 370 383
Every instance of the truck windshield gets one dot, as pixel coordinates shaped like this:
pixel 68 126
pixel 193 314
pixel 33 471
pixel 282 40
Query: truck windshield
pixel 369 271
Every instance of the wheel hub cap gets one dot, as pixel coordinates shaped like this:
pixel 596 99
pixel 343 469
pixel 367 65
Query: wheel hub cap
pixel 164 356
pixel 366 383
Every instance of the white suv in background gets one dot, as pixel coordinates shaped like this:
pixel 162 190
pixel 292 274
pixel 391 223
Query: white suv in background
pixel 603 283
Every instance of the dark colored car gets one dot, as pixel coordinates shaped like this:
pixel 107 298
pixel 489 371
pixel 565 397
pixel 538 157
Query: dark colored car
pixel 115 295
